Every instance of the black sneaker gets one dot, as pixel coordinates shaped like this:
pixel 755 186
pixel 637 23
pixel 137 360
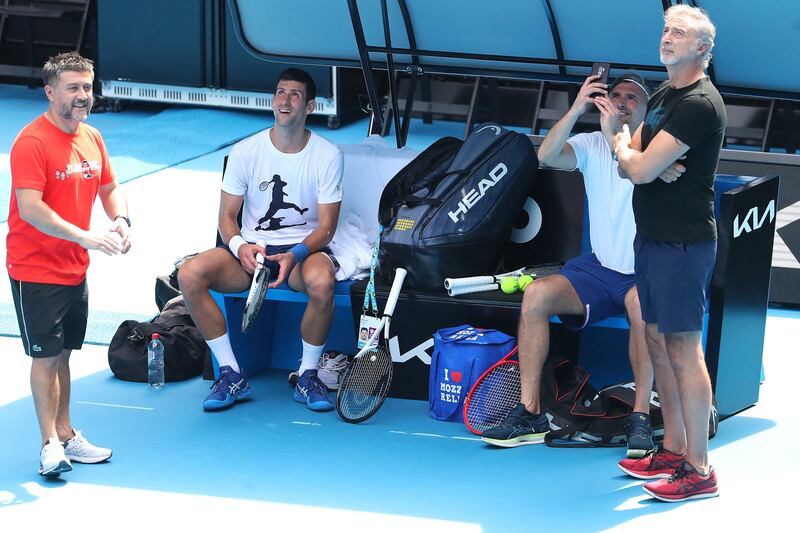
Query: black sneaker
pixel 639 434
pixel 518 428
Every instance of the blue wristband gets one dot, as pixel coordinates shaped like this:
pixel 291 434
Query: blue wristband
pixel 300 252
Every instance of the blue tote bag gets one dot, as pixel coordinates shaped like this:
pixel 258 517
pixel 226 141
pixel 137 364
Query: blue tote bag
pixel 460 355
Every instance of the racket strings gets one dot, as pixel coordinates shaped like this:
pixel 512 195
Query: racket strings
pixel 255 300
pixel 366 384
pixel 494 397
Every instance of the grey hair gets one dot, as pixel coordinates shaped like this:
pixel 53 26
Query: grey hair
pixel 700 23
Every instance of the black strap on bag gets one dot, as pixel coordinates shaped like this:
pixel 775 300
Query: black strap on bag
pixel 185 350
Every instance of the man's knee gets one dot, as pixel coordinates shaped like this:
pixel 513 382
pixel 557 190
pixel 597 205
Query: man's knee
pixel 541 299
pixel 47 364
pixel 684 347
pixel 190 275
pixel 319 282
pixel 199 272
pixel 633 309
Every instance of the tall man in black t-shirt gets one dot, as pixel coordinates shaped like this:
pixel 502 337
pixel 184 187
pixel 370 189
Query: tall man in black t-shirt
pixel 675 249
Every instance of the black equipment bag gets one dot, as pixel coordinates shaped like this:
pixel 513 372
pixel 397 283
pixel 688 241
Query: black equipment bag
pixel 450 211
pixel 185 350
pixel 581 416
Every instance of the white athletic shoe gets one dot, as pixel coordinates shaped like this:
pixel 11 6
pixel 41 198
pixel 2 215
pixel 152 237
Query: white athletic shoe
pixel 332 366
pixel 52 460
pixel 80 450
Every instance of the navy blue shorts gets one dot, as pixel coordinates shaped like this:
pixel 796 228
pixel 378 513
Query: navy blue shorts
pixel 601 290
pixel 672 279
pixel 279 249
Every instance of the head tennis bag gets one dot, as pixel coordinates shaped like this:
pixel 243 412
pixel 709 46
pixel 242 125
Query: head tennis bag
pixel 450 212
pixel 460 356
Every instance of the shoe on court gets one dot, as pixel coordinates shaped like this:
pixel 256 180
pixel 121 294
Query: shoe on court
pixel 312 392
pixel 685 483
pixel 639 435
pixel 52 460
pixel 332 366
pixel 518 428
pixel 229 388
pixel 79 450
pixel 655 464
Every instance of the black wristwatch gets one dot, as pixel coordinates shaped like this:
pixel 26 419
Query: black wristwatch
pixel 126 219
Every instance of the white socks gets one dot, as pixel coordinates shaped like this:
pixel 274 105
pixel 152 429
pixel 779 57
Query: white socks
pixel 223 353
pixel 311 355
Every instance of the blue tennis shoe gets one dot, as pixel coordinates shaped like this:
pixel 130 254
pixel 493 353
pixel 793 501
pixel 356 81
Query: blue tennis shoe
pixel 229 388
pixel 312 392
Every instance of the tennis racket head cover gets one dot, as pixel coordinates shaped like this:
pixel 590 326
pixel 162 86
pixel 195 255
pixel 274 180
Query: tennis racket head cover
pixel 493 395
pixel 366 383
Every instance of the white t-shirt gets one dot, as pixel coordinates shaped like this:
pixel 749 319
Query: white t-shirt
pixel 282 191
pixel 610 199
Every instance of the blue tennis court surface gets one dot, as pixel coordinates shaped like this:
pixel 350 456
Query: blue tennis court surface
pixel 271 464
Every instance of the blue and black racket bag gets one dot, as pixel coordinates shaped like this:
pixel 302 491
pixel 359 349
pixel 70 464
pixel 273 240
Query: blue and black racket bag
pixel 450 211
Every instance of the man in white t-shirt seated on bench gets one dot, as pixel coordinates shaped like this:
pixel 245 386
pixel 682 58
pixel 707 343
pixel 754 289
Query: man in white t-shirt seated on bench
pixel 287 181
pixel 596 285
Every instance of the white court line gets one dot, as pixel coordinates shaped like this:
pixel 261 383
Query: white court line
pixel 306 423
pixel 434 435
pixel 115 405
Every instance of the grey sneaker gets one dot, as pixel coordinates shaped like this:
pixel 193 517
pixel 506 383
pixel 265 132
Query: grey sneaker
pixel 518 428
pixel 332 366
pixel 80 450
pixel 52 460
pixel 639 433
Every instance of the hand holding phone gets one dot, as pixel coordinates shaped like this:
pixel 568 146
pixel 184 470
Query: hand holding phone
pixel 600 69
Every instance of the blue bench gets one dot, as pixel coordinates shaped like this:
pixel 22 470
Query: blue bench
pixel 274 339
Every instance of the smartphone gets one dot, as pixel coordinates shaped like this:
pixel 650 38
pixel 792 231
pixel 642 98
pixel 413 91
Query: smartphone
pixel 601 69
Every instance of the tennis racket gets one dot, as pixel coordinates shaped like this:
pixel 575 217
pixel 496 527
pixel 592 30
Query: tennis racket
pixel 366 383
pixel 258 288
pixel 494 395
pixel 457 286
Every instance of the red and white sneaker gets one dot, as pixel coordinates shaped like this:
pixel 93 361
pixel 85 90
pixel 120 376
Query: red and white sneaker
pixel 660 463
pixel 685 484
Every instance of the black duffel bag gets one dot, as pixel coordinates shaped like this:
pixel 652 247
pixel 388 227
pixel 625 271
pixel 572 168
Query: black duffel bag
pixel 185 350
pixel 450 212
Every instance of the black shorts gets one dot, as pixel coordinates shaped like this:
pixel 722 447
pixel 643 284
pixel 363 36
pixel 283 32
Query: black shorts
pixel 51 318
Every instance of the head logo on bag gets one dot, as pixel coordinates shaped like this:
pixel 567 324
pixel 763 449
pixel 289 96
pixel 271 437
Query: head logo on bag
pixel 474 196
pixel 496 129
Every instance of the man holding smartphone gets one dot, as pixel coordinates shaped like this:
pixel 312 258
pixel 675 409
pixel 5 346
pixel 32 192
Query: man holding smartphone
pixel 595 285
pixel 675 249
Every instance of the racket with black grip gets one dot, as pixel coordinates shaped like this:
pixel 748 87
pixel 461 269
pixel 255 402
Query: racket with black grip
pixel 366 383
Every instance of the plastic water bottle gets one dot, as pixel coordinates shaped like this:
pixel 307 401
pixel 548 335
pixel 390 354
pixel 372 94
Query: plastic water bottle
pixel 155 362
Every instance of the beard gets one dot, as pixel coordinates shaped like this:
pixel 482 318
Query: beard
pixel 669 59
pixel 68 111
